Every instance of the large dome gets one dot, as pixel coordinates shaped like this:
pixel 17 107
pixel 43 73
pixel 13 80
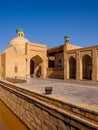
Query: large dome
pixel 17 45
pixel 17 40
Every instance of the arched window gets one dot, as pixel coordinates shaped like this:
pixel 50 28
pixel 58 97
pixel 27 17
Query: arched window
pixel 16 69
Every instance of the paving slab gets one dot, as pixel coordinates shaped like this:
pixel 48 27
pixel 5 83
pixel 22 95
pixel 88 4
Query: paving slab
pixel 82 93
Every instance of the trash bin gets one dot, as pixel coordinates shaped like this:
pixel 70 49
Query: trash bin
pixel 48 90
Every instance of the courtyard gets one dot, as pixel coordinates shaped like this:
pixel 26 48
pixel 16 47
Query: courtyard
pixel 80 93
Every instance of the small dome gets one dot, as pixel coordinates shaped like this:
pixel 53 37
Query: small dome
pixel 20 30
pixel 66 36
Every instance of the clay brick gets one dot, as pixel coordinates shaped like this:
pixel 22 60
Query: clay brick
pixel 76 110
pixel 67 107
pixel 89 115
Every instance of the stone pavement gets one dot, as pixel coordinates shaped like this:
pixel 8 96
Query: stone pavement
pixel 82 93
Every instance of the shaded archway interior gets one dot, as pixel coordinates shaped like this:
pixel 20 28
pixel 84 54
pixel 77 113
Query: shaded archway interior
pixel 36 65
pixel 72 68
pixel 31 67
pixel 87 67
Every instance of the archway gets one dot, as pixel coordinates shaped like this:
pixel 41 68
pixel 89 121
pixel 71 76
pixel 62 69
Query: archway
pixel 87 67
pixel 72 68
pixel 31 67
pixel 36 66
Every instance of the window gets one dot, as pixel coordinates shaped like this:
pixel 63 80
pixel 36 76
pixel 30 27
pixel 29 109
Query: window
pixel 19 34
pixel 60 66
pixel 22 35
pixel 67 41
pixel 51 63
pixel 60 60
pixel 16 69
pixel 2 68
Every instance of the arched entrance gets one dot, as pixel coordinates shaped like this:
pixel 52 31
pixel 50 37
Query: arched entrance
pixel 31 67
pixel 72 68
pixel 36 66
pixel 87 67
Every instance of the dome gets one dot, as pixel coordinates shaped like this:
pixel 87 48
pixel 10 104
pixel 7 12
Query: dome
pixel 17 41
pixel 20 30
pixel 66 36
pixel 17 45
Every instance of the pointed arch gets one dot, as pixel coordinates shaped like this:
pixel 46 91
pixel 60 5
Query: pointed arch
pixel 35 66
pixel 86 67
pixel 72 68
pixel 31 67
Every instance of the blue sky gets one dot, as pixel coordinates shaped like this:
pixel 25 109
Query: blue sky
pixel 48 21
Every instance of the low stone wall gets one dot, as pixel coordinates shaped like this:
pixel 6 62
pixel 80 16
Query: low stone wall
pixel 16 80
pixel 40 112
